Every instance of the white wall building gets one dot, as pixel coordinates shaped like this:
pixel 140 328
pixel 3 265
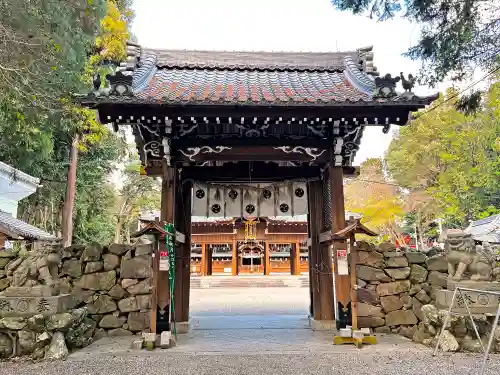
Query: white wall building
pixel 14 186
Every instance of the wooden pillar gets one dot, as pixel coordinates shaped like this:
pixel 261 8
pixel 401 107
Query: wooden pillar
pixel 234 264
pixel 203 259
pixel 296 259
pixel 183 254
pixel 210 252
pixel 166 215
pixel 342 282
pixel 315 195
pixel 267 264
pixel 309 251
pixel 292 259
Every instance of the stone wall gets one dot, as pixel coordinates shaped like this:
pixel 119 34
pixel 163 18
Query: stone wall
pixel 90 292
pixel 393 285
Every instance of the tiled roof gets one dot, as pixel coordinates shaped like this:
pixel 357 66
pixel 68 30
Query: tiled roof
pixel 278 78
pixel 485 230
pixel 15 228
pixel 251 60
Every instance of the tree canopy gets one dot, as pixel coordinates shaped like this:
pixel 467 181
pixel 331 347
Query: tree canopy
pixel 451 159
pixel 456 35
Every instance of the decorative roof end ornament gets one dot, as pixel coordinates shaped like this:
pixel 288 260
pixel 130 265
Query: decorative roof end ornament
pixel 120 84
pixel 409 83
pixel 385 87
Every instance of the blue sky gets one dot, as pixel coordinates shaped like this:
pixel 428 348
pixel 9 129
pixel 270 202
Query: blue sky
pixel 278 25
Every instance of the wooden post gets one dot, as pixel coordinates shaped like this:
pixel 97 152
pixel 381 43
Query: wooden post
pixel 296 260
pixel 309 252
pixel 183 255
pixel 234 264
pixel 315 195
pixel 167 215
pixel 342 283
pixel 354 292
pixel 292 259
pixel 267 264
pixel 210 252
pixel 203 259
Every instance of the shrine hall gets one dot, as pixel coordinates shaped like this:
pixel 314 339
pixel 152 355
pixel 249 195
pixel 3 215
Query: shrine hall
pixel 249 140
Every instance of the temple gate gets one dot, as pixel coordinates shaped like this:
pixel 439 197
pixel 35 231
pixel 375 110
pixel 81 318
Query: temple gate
pixel 254 132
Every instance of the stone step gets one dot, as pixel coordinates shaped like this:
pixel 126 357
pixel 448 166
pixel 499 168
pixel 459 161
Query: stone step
pixel 202 282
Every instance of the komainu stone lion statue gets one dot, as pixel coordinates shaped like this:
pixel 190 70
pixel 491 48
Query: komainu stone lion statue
pixel 466 260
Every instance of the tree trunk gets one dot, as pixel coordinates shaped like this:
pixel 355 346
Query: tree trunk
pixel 69 203
pixel 118 230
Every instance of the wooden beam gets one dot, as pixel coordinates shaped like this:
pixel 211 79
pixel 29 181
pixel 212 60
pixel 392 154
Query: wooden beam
pixel 235 141
pixel 251 153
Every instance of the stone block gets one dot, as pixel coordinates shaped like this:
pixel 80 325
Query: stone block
pixel 118 249
pixel 128 304
pixel 367 296
pixel 59 322
pixel 406 300
pixel 418 274
pixel 6 346
pixel 137 344
pixel 92 267
pixel 437 263
pixel 43 339
pixel 415 257
pixel 398 273
pixel 57 348
pixel 373 259
pixel 479 303
pixel 396 287
pixel 29 306
pixel 119 332
pixel 391 303
pixel 111 261
pixel 72 267
pixel 145 249
pixel 401 317
pixel 138 321
pixel 97 281
pixel 360 283
pixel 386 247
pixel 397 262
pixel 437 278
pixel 144 287
pixel 394 254
pixel 365 309
pixel 383 329
pixel 92 252
pixel 370 322
pixel 423 297
pixel 137 268
pixel 117 292
pixel 112 321
pixel 14 323
pixel 368 273
pixel 103 304
pixel 129 282
pixel 143 302
pixel 166 340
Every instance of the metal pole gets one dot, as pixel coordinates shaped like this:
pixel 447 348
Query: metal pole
pixel 446 321
pixel 490 340
pixel 471 319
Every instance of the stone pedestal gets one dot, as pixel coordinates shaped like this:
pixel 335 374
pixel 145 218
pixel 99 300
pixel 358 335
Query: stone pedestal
pixel 478 302
pixel 493 286
pixel 182 327
pixel 29 306
pixel 322 325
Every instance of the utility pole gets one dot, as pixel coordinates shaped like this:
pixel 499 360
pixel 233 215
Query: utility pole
pixel 69 203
